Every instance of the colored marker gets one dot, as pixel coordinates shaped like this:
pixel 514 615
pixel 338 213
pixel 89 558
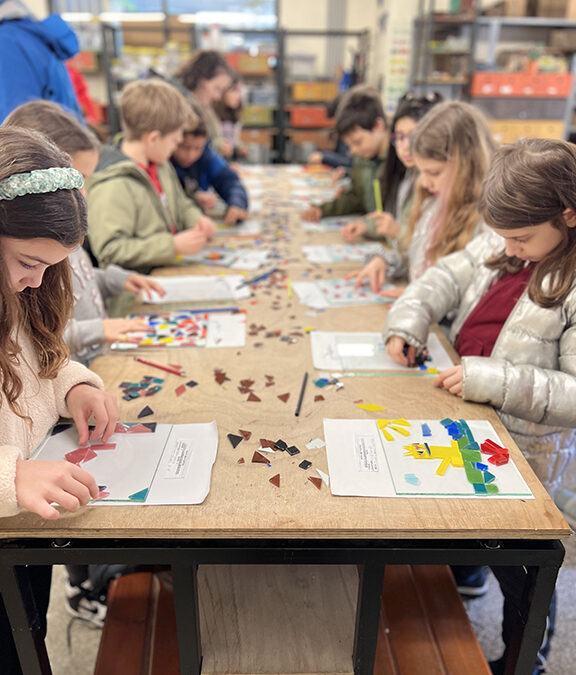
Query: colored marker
pixel 301 397
pixel 377 195
pixel 168 369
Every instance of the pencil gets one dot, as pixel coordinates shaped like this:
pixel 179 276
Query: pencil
pixel 377 195
pixel 301 397
pixel 253 280
pixel 168 369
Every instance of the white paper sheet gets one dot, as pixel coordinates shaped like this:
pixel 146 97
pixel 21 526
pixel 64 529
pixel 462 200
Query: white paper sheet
pixel 363 463
pixel 236 259
pixel 199 289
pixel 339 252
pixel 147 462
pixel 336 293
pixel 333 224
pixel 366 351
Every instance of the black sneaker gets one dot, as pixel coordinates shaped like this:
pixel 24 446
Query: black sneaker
pixel 82 603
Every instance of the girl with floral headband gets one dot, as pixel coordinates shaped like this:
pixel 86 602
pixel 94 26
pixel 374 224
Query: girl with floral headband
pixel 42 220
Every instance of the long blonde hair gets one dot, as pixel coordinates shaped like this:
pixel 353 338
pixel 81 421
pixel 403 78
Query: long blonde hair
pixel 456 132
pixel 529 183
pixel 61 215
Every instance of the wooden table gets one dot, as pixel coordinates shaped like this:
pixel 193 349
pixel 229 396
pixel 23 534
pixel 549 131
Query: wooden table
pixel 245 519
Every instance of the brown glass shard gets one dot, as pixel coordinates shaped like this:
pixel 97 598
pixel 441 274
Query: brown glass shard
pixel 245 434
pixel 258 458
pixel 315 481
pixel 253 397
pixel 275 480
pixel 240 461
pixel 265 443
pixel 284 397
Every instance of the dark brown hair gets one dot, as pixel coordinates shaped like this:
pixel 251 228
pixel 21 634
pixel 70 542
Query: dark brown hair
pixel 360 107
pixel 204 65
pixel 529 183
pixel 225 112
pixel 61 215
pixel 454 132
pixel 199 126
pixel 59 126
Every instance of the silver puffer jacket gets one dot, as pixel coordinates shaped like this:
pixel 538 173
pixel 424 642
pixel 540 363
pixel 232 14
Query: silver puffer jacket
pixel 530 377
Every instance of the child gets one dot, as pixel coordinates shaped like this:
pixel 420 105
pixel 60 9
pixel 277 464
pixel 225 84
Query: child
pixel 361 123
pixel 339 158
pixel 199 167
pixel 228 110
pixel 398 176
pixel 42 220
pixel 90 329
pixel 139 217
pixel 452 147
pixel 514 294
pixel 206 76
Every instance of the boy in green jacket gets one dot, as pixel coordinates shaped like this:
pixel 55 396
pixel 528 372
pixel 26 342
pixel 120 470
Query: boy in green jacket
pixel 361 124
pixel 138 215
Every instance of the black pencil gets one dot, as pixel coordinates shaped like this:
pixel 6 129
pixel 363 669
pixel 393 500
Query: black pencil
pixel 301 397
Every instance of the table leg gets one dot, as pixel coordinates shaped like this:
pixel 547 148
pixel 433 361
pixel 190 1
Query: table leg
pixel 535 604
pixel 367 617
pixel 187 618
pixel 21 611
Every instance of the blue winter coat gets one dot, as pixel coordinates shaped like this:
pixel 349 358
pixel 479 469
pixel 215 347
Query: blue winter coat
pixel 31 63
pixel 212 171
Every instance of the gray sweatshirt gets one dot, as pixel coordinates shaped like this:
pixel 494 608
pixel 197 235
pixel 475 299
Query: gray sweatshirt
pixel 84 333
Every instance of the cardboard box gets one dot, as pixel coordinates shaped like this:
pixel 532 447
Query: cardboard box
pixel 564 39
pixel 553 9
pixel 258 115
pixel 314 91
pixel 508 8
pixel 509 131
pixel 309 116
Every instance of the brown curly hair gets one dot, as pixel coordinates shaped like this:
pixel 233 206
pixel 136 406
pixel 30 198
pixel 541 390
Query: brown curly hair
pixel 42 313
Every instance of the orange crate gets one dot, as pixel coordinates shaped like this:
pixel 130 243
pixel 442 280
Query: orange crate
pixel 492 84
pixel 509 131
pixel 309 116
pixel 246 64
pixel 314 91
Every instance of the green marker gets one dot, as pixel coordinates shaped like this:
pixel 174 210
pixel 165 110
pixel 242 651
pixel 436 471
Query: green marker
pixel 377 195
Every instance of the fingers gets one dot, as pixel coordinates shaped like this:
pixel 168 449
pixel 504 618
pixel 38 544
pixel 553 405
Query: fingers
pixel 105 411
pixel 377 280
pixel 394 292
pixel 42 507
pixel 81 423
pixel 395 350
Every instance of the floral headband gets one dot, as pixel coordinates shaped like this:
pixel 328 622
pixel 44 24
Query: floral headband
pixel 40 181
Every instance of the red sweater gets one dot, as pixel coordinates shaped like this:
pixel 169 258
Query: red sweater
pixel 484 323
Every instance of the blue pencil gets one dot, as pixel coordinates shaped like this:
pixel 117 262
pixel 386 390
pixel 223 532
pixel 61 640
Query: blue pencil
pixel 261 277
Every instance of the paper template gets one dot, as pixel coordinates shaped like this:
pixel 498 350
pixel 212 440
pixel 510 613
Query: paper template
pixel 236 259
pixel 170 465
pixel 248 228
pixel 187 328
pixel 336 293
pixel 338 253
pixel 333 224
pixel 199 289
pixel 363 463
pixel 366 351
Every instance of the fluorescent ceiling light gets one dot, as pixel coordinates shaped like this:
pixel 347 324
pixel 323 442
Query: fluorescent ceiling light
pixel 77 17
pixel 229 18
pixel 132 16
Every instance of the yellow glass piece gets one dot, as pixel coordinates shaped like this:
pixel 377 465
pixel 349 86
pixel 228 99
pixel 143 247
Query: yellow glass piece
pixel 400 430
pixel 402 421
pixel 432 371
pixel 371 407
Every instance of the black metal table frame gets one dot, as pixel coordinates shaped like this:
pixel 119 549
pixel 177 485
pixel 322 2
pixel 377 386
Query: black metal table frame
pixel 542 558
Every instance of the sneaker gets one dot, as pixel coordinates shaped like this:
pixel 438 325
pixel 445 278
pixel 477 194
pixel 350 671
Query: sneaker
pixel 82 603
pixel 471 582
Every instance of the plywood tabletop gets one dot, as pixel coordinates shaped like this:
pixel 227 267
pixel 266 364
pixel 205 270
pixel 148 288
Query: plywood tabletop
pixel 242 502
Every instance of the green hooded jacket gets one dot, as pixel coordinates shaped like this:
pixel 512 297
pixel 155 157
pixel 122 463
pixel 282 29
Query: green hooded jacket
pixel 128 225
pixel 359 198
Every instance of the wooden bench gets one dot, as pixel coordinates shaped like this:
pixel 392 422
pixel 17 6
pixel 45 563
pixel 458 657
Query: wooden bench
pixel 423 621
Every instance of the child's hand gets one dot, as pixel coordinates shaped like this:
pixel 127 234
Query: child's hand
pixel 82 401
pixel 189 242
pixel 386 224
pixel 353 230
pixel 398 349
pixel 39 483
pixel 234 214
pixel 374 271
pixel 315 158
pixel 451 379
pixel 205 200
pixel 116 329
pixel 393 292
pixel 226 149
pixel 138 283
pixel 312 213
pixel 337 174
pixel 207 226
